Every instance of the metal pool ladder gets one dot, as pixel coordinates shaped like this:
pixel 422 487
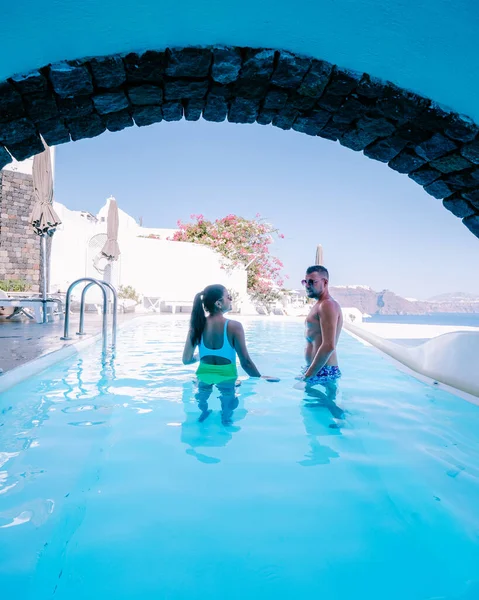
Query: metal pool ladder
pixel 103 285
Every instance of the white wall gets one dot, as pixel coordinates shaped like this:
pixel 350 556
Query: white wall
pixel 172 270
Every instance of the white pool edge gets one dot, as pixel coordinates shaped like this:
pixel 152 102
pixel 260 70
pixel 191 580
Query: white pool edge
pixel 433 382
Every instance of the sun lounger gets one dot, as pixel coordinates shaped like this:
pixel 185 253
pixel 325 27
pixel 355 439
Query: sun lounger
pixel 174 304
pixel 35 304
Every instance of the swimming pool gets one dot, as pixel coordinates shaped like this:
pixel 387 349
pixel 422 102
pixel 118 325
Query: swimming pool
pixel 111 488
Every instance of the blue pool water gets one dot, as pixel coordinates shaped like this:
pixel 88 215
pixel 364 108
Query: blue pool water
pixel 111 488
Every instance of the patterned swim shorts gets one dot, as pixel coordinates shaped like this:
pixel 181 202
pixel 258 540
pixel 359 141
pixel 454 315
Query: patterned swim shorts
pixel 325 375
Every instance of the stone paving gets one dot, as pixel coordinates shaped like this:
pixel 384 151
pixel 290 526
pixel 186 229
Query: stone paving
pixel 22 341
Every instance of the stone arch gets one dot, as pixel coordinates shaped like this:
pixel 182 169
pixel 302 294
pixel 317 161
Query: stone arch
pixel 76 99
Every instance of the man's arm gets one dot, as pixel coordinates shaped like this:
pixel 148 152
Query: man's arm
pixel 328 316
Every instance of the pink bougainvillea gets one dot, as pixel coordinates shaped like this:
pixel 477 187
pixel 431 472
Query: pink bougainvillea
pixel 240 241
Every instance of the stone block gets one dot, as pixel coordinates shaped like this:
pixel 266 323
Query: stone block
pixel 461 128
pixel 376 126
pixel 351 110
pixel 312 124
pixel 400 106
pixel 472 196
pixel 458 206
pixel 451 163
pixel 193 109
pixel 40 107
pixel 54 132
pixel 225 91
pixel 32 82
pixel 11 106
pixel 290 70
pixel 316 79
pixel 471 151
pixel 357 139
pixel 145 95
pixel 188 62
pixel 439 189
pixel 472 223
pixel 266 116
pixel 70 79
pixel 301 103
pixel 26 148
pixel 371 87
pixel 216 109
pixel 243 110
pixel 330 102
pixel 435 147
pixel 435 118
pixel 5 158
pixel 116 121
pixel 258 64
pixel 334 131
pixel 108 71
pixel 16 131
pixel 85 127
pixel 226 65
pixel 425 175
pixel 460 181
pixel 275 99
pixel 406 162
pixel 146 67
pixel 386 149
pixel 180 88
pixel 255 74
pixel 78 106
pixel 285 118
pixel 172 111
pixel 413 133
pixel 343 81
pixel 112 102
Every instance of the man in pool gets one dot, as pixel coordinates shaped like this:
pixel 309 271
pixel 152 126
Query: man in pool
pixel 323 326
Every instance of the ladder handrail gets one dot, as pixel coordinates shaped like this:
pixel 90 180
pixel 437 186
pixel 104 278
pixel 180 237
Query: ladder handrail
pixel 115 312
pixel 105 305
pixel 115 309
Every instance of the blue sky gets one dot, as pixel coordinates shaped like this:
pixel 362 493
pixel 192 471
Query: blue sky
pixel 377 227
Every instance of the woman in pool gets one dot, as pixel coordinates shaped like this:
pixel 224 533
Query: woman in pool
pixel 219 341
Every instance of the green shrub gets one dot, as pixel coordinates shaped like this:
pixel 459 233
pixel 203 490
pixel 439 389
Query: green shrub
pixel 127 292
pixel 14 285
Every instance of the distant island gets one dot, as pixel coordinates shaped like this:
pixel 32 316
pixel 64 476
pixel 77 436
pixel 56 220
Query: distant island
pixel 386 302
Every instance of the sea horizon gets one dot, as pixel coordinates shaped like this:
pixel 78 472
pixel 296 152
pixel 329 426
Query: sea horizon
pixel 452 319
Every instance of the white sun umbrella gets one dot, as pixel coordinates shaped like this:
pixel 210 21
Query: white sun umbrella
pixel 319 255
pixel 111 249
pixel 43 219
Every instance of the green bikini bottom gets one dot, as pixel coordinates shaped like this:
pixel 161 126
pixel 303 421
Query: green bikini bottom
pixel 212 374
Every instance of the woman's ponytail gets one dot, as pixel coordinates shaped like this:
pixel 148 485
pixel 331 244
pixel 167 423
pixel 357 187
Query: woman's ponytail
pixel 197 320
pixel 205 300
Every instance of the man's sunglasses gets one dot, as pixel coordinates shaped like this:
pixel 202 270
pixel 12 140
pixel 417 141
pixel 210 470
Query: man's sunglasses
pixel 309 282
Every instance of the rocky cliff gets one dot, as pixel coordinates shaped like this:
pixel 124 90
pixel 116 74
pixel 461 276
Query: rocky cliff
pixel 387 303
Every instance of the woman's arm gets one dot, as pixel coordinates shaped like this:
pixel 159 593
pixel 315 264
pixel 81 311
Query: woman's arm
pixel 189 350
pixel 239 344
